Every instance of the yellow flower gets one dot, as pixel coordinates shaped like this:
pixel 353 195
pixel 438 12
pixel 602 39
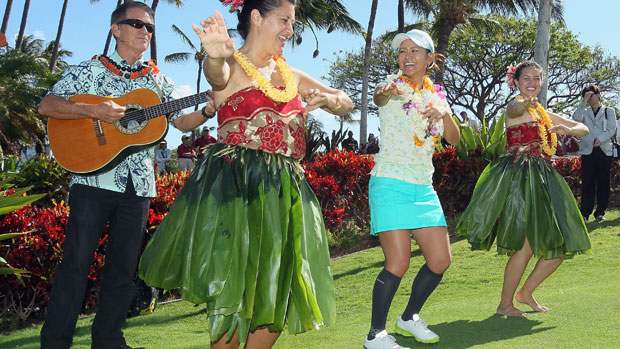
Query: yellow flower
pixel 417 140
pixel 539 114
pixel 290 84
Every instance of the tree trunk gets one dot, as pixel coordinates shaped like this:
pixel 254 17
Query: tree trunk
pixel 541 51
pixel 198 81
pixel 401 16
pixel 108 41
pixel 22 26
pixel 153 40
pixel 442 49
pixel 364 108
pixel 7 13
pixel 57 43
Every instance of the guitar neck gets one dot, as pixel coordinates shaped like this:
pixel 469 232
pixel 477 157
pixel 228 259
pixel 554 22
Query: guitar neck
pixel 172 106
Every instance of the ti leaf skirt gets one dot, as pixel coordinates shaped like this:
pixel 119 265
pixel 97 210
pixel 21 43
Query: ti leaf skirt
pixel 246 236
pixel 520 197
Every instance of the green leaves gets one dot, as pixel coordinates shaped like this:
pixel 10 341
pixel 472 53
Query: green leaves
pixel 490 142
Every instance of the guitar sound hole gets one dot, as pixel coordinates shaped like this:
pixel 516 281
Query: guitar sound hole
pixel 133 122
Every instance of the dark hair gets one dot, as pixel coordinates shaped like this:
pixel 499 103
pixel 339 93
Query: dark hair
pixel 121 11
pixel 263 7
pixel 527 64
pixel 595 89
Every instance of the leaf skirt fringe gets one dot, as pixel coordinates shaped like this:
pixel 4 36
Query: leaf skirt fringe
pixel 520 197
pixel 245 236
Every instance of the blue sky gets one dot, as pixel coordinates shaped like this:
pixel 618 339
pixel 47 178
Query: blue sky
pixel 87 24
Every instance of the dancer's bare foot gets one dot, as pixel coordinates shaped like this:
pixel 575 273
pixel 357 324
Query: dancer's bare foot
pixel 510 310
pixel 529 300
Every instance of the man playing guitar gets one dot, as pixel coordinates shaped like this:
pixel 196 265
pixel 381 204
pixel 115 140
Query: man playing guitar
pixel 119 195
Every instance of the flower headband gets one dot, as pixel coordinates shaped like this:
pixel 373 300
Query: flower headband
pixel 235 5
pixel 510 76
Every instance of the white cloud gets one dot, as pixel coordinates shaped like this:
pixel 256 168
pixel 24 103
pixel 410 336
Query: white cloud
pixel 38 34
pixel 184 90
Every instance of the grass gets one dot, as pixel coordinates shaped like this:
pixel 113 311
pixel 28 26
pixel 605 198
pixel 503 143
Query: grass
pixel 582 294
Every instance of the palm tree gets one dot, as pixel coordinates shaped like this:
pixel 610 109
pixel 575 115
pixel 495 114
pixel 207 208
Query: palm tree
pixel 364 107
pixel 57 41
pixel 541 50
pixel 198 54
pixel 447 15
pixel 7 13
pixel 319 15
pixel 177 3
pixel 24 79
pixel 22 27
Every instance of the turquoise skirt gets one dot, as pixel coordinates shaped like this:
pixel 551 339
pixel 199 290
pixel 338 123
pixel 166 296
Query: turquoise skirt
pixel 245 236
pixel 395 204
pixel 518 197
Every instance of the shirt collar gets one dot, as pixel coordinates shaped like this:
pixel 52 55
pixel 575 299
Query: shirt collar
pixel 117 58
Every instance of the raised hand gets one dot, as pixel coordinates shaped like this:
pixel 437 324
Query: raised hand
pixel 214 37
pixel 314 99
pixel 390 90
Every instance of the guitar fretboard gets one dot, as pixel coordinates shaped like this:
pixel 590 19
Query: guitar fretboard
pixel 166 108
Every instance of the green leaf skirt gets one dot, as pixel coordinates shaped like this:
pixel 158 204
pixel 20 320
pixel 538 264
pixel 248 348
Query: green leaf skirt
pixel 246 236
pixel 520 197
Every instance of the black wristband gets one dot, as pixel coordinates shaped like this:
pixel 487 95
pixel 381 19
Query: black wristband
pixel 204 113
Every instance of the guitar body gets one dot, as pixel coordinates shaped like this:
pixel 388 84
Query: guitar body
pixel 88 145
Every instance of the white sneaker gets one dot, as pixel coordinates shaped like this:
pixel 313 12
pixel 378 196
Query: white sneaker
pixel 416 327
pixel 382 341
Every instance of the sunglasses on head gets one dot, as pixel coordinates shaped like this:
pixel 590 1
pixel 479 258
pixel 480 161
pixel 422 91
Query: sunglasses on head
pixel 138 24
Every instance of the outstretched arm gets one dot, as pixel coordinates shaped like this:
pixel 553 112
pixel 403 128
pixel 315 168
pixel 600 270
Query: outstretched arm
pixel 317 95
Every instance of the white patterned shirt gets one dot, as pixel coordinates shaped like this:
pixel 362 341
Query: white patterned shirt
pixel 92 77
pixel 402 127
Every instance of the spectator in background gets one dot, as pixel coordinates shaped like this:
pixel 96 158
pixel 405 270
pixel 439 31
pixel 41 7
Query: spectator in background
pixel 349 143
pixel 200 144
pixel 596 152
pixel 186 154
pixel 473 123
pixel 372 147
pixel 162 158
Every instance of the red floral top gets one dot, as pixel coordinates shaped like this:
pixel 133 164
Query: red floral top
pixel 250 119
pixel 524 139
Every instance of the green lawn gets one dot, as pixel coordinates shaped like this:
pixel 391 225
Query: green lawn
pixel 583 295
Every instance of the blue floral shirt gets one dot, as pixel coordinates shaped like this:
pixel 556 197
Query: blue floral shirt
pixel 92 77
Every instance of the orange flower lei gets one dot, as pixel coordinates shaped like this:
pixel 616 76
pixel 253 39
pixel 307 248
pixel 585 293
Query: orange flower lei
pixel 290 84
pixel 427 84
pixel 539 114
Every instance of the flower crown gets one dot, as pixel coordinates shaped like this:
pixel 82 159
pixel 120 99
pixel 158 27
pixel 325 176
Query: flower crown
pixel 510 76
pixel 235 5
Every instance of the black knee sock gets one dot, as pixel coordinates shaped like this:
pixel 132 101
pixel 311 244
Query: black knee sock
pixel 423 285
pixel 382 295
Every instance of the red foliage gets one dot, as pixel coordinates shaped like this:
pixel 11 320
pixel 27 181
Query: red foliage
pixel 454 179
pixel 339 179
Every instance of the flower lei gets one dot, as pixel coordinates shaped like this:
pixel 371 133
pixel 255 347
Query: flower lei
pixel 431 130
pixel 128 73
pixel 539 114
pixel 234 4
pixel 290 84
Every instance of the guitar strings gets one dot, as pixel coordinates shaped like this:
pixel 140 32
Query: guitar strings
pixel 160 109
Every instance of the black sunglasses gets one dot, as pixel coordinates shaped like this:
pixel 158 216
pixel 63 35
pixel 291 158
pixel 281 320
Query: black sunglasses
pixel 138 24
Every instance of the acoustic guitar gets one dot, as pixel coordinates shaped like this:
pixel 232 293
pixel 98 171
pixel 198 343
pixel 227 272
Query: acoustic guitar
pixel 88 145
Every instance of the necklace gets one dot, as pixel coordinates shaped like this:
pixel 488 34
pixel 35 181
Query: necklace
pixel 431 130
pixel 127 72
pixel 290 84
pixel 427 84
pixel 539 114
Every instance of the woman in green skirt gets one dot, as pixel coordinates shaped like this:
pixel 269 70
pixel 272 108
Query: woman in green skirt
pixel 523 202
pixel 246 234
